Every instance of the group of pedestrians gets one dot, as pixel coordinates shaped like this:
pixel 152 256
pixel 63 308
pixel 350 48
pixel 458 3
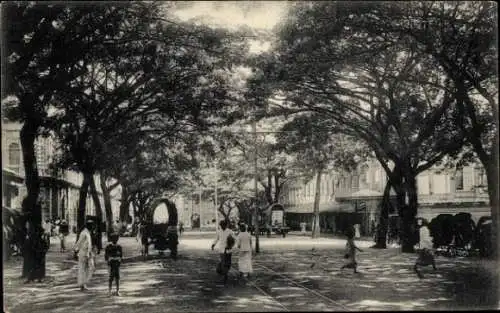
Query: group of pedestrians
pixel 57 227
pixel 225 241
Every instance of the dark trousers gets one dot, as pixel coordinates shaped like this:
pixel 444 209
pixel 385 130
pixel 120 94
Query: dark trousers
pixel 225 264
pixel 114 273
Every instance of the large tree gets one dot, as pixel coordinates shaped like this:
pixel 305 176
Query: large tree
pixel 385 97
pixel 141 82
pixel 461 38
pixel 44 47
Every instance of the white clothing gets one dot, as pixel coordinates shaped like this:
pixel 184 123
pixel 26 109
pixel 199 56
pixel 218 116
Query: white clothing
pixel 245 262
pixel 425 238
pixel 356 230
pixel 221 240
pixel 47 227
pixel 84 244
pixel 244 241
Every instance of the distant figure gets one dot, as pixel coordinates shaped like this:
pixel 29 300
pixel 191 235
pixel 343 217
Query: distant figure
pixel 63 232
pixel 357 231
pixel 225 242
pixel 142 238
pixel 425 254
pixel 181 228
pixel 303 228
pixel 47 227
pixel 113 255
pixel 244 241
pixel 350 254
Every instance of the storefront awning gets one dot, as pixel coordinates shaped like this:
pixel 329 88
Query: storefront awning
pixel 332 206
pixel 12 176
pixel 53 181
pixel 363 194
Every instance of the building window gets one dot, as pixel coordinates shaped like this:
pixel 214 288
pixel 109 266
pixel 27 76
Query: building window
pixel 480 177
pixel 14 157
pixel 355 183
pixel 459 179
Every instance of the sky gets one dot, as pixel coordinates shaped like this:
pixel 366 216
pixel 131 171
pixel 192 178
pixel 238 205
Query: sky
pixel 255 14
pixel 262 15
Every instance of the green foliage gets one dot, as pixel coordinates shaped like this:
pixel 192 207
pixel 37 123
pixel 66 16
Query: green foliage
pixel 393 102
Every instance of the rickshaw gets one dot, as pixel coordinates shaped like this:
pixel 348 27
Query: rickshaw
pixel 160 227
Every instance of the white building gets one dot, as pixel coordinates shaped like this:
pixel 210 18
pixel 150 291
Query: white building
pixel 59 192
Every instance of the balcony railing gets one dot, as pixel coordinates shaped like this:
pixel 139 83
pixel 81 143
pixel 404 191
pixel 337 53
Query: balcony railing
pixel 459 196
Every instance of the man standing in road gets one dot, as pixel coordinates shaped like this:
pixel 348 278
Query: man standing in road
pixel 84 249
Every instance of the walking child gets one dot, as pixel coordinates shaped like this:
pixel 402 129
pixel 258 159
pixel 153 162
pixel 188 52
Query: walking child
pixel 425 255
pixel 351 248
pixel 113 255
pixel 245 255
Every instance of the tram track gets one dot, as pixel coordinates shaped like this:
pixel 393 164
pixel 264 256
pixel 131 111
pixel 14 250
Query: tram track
pixel 289 283
pixel 330 302
pixel 277 286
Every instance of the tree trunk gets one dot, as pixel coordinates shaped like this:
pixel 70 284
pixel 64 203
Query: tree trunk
pixel 32 180
pixel 489 159
pixel 269 188
pixel 277 187
pixel 493 194
pixel 383 223
pixel 82 202
pixel 125 204
pixel 408 213
pixel 31 210
pixel 107 204
pixel 98 209
pixel 317 195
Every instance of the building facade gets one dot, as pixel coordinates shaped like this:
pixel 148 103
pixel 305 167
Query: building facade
pixel 59 190
pixel 358 194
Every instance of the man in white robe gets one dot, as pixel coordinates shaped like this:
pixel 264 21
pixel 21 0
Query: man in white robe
pixel 84 249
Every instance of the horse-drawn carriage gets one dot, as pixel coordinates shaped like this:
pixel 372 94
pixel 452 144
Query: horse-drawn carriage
pixel 159 228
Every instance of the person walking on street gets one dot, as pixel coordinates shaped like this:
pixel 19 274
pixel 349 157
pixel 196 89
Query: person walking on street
pixel 113 254
pixel 181 228
pixel 63 232
pixel 84 249
pixel 351 248
pixel 142 239
pixel 425 254
pixel 225 242
pixel 244 241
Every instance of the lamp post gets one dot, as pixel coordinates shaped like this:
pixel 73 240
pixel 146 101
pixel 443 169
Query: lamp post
pixel 216 200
